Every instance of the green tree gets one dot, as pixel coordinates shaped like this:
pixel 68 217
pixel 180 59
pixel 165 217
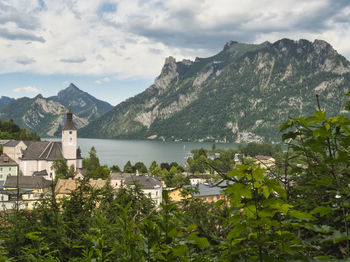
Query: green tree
pixel 140 167
pixel 128 168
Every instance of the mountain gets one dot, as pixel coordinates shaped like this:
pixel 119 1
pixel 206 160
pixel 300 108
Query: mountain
pixel 46 115
pixel 4 100
pixel 82 104
pixel 242 94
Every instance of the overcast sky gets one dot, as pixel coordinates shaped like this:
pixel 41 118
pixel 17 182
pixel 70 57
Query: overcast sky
pixel 115 49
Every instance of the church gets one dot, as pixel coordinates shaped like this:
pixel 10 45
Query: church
pixel 37 157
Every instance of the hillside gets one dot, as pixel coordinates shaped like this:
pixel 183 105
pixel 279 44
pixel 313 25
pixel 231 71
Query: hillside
pixel 4 100
pixel 46 115
pixel 242 94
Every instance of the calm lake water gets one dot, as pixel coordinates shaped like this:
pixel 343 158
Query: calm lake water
pixel 113 151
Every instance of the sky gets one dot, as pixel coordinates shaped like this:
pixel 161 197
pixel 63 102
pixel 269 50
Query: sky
pixel 115 49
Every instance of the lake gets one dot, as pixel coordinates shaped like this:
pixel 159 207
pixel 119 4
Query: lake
pixel 115 151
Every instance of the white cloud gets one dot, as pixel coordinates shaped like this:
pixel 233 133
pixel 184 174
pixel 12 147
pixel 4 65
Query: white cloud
pixel 132 38
pixel 26 90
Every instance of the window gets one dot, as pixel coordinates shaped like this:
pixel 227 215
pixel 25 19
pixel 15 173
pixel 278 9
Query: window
pixel 51 175
pixel 70 140
pixel 157 193
pixel 9 168
pixel 70 132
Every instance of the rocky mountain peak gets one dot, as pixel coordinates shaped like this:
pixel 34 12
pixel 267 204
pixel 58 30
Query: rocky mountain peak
pixel 229 44
pixel 168 73
pixel 71 87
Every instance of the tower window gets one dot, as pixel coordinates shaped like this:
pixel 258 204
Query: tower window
pixel 70 132
pixel 70 140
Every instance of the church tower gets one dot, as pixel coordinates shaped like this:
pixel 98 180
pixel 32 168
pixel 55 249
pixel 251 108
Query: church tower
pixel 69 140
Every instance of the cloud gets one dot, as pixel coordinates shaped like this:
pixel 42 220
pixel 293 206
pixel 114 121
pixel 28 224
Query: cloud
pixel 26 90
pixel 103 80
pixel 132 38
pixel 25 60
pixel 73 60
pixel 19 34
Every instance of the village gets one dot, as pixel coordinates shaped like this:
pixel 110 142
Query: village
pixel 27 175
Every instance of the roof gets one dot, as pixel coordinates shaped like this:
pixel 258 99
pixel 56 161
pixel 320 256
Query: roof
pixel 43 150
pixel 260 157
pixel 211 190
pixel 3 141
pixel 69 125
pixel 5 160
pixel 21 191
pixel 27 182
pixel 66 186
pixel 120 176
pixel 12 143
pixel 207 190
pixel 146 182
pixel 40 173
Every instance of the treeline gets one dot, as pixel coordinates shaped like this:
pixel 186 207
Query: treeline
pixel 214 159
pixel 9 130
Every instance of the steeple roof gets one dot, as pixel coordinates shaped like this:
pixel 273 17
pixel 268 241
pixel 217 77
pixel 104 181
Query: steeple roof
pixel 69 125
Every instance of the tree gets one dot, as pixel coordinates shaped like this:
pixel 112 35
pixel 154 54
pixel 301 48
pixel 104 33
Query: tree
pixel 153 166
pixel 115 169
pixel 92 162
pixel 128 168
pixel 140 167
pixel 320 182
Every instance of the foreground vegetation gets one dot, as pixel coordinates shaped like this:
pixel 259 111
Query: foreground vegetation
pixel 298 211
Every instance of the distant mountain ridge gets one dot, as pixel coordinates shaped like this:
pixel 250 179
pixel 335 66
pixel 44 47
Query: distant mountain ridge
pixel 5 100
pixel 242 94
pixel 46 115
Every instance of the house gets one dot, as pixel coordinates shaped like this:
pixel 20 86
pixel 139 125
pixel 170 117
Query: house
pixel 265 161
pixel 208 193
pixel 149 185
pixel 175 194
pixel 14 149
pixel 213 156
pixel 64 187
pixel 195 180
pixel 118 179
pixel 25 190
pixel 39 156
pixel 10 198
pixel 8 167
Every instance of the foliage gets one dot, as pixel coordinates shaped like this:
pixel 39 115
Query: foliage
pixel 321 178
pixel 61 169
pixel 9 130
pixel 93 167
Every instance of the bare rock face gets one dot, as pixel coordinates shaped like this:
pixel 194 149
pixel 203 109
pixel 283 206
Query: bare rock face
pixel 168 74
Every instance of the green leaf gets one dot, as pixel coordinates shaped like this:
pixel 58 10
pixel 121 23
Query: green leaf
pixel 322 210
pixel 180 251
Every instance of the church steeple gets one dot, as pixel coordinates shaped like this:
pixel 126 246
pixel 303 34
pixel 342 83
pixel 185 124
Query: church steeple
pixel 69 125
pixel 69 140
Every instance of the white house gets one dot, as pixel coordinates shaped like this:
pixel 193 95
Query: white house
pixel 149 185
